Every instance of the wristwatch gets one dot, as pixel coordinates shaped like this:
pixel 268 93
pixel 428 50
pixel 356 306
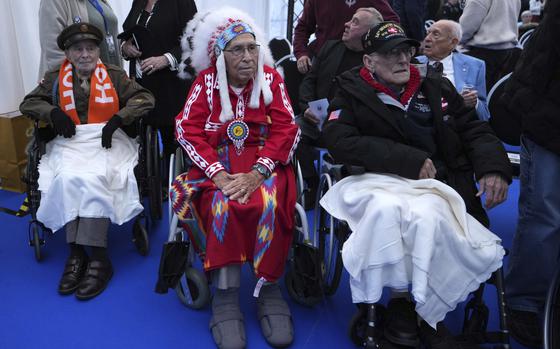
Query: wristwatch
pixel 262 169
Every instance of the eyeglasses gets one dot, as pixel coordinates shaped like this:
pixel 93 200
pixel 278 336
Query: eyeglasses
pixel 238 51
pixel 396 53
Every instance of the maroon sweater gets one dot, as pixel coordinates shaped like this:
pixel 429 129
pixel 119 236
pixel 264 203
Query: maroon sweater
pixel 326 19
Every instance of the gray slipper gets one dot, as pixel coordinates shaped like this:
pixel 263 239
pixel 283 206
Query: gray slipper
pixel 226 323
pixel 275 317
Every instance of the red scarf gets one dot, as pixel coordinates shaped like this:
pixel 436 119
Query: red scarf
pixel 410 90
pixel 103 98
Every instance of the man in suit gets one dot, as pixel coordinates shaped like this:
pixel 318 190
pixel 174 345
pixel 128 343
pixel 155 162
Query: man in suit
pixel 336 57
pixel 466 73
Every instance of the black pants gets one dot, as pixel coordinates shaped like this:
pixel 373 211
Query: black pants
pixel 498 62
pixel 307 154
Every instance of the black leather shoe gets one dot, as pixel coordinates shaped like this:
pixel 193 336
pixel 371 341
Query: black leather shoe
pixel 95 280
pixel 73 273
pixel 401 325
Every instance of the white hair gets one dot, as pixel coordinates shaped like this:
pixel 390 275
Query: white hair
pixel 186 43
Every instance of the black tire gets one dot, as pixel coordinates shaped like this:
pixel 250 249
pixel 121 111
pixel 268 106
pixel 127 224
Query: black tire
pixel 36 242
pixel 140 237
pixel 331 269
pixel 198 288
pixel 332 272
pixel 153 164
pixel 552 315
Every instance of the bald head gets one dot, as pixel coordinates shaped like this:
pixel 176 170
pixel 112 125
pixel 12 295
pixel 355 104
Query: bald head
pixel 441 39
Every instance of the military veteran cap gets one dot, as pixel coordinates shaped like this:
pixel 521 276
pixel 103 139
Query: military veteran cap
pixel 384 37
pixel 78 32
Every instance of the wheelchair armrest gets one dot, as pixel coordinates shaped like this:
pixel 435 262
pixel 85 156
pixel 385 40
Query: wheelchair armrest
pixel 340 171
pixel 351 170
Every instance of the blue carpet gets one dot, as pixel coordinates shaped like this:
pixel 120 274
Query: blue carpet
pixel 130 315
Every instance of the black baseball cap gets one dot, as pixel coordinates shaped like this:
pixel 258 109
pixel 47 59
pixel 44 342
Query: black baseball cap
pixel 384 37
pixel 78 32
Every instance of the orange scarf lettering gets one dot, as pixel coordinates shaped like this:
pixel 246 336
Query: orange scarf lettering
pixel 103 99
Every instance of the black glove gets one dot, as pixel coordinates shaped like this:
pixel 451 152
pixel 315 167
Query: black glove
pixel 107 132
pixel 62 124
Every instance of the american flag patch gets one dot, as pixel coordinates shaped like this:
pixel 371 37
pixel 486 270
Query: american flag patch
pixel 334 115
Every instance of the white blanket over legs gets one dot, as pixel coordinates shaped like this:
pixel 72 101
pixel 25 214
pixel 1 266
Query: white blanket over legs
pixel 412 232
pixel 78 177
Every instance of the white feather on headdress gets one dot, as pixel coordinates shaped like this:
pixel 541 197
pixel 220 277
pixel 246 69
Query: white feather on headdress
pixel 199 40
pixel 186 44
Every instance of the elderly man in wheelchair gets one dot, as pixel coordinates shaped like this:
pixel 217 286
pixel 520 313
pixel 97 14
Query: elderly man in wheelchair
pixel 238 128
pixel 87 173
pixel 421 150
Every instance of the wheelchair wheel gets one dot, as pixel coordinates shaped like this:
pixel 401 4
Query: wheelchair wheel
pixel 35 240
pixel 153 163
pixel 140 237
pixel 329 243
pixel 552 315
pixel 193 290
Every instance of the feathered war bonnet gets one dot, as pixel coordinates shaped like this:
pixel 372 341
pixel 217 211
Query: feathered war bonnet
pixel 203 41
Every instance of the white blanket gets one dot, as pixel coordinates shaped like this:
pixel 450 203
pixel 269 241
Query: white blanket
pixel 412 232
pixel 80 178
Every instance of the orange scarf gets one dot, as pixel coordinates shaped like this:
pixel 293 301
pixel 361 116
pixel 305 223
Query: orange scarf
pixel 103 98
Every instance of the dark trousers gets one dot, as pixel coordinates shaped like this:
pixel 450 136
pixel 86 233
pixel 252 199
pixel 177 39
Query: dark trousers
pixel 498 62
pixel 307 153
pixel 413 15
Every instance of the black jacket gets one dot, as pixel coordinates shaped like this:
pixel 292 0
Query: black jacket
pixel 166 27
pixel 367 134
pixel 532 94
pixel 320 80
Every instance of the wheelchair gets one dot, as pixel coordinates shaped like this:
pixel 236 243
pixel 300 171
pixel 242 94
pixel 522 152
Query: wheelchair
pixel 363 328
pixel 147 175
pixel 193 288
